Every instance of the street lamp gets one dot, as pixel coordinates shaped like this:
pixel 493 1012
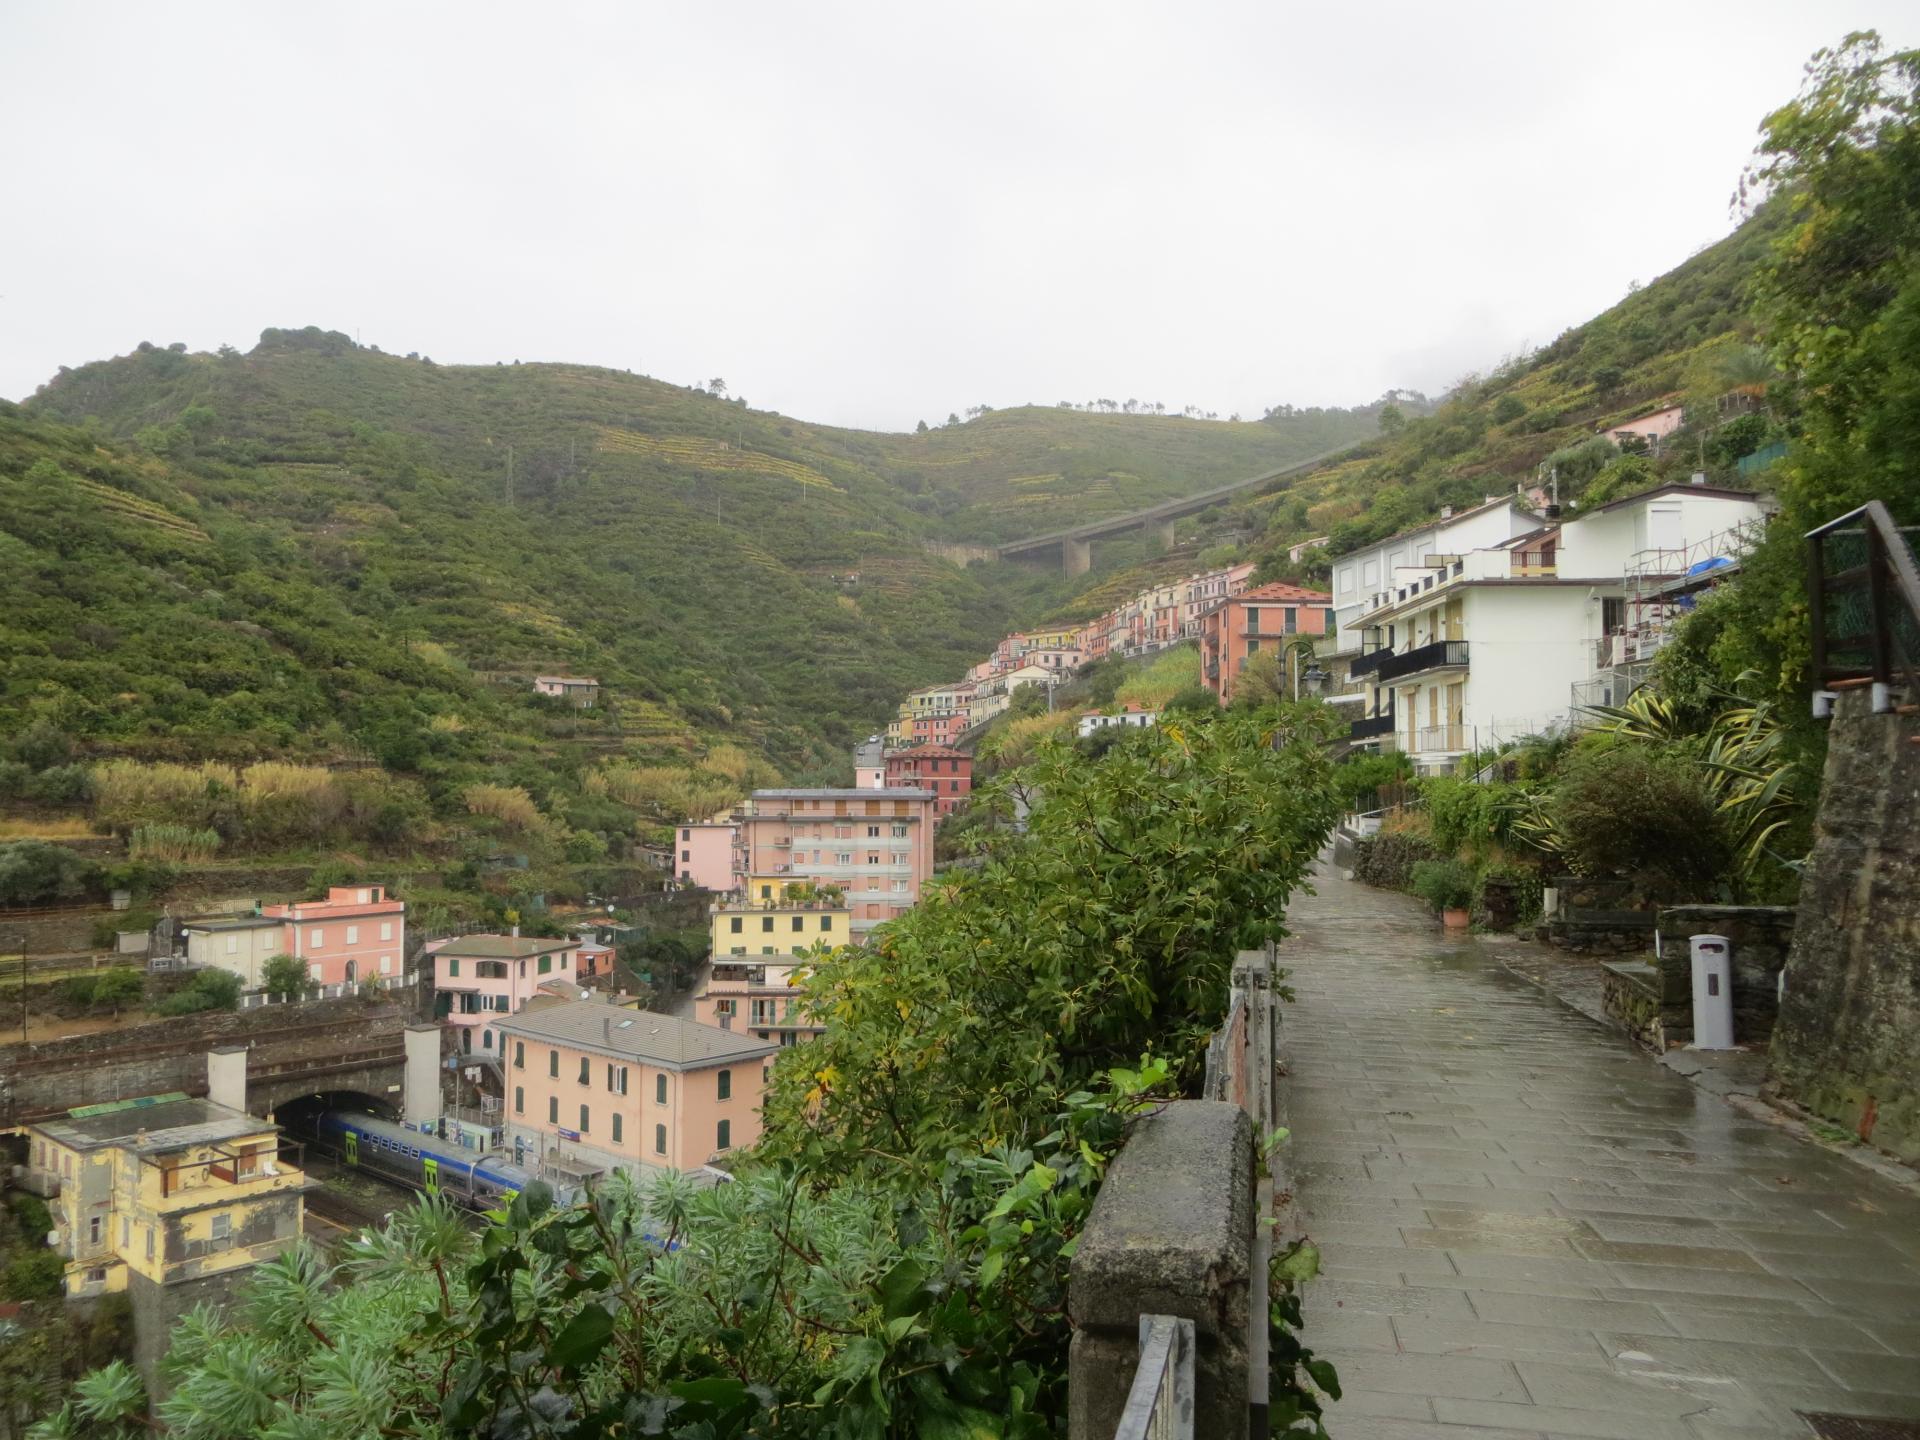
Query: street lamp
pixel 1314 679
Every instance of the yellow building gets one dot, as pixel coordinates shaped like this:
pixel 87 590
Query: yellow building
pixel 1066 638
pixel 167 1198
pixel 774 921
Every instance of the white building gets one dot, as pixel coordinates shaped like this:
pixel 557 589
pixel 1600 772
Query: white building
pixel 1476 646
pixel 1132 716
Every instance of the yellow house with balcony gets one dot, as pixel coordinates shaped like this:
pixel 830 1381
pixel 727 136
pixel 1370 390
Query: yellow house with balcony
pixel 168 1198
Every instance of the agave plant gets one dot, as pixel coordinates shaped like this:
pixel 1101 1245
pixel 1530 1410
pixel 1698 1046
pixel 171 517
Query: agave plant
pixel 1748 770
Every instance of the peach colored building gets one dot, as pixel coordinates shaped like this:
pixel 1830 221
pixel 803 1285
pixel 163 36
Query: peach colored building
pixel 703 854
pixel 1651 428
pixel 876 845
pixel 356 933
pixel 481 980
pixel 1267 618
pixel 592 1088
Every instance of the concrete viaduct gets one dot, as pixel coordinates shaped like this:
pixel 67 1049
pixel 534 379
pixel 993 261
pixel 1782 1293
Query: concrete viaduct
pixel 1076 545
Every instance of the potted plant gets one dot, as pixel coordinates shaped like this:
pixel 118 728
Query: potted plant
pixel 1446 885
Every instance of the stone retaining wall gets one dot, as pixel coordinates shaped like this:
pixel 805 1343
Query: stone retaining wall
pixel 1759 936
pixel 1847 1044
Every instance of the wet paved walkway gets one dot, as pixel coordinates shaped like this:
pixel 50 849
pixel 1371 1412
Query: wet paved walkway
pixel 1531 1229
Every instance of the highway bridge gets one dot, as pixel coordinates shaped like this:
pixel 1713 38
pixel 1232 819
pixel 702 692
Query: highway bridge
pixel 1076 545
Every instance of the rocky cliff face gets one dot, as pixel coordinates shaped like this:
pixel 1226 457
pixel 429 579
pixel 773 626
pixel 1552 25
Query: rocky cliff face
pixel 1847 1044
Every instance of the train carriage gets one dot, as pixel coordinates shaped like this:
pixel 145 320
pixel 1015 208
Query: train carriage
pixel 422 1160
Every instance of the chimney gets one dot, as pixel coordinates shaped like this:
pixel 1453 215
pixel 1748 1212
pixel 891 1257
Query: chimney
pixel 1699 477
pixel 606 1029
pixel 1446 512
pixel 516 932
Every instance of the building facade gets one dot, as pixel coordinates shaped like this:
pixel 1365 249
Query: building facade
pixel 1273 618
pixel 481 980
pixel 356 933
pixel 946 772
pixel 591 1088
pixel 1131 716
pixel 1484 646
pixel 703 855
pixel 876 846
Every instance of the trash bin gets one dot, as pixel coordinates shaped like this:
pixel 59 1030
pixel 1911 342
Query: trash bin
pixel 1712 993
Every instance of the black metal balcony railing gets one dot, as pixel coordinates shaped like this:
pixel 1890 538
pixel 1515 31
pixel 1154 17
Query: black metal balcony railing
pixel 1440 655
pixel 1370 726
pixel 1366 664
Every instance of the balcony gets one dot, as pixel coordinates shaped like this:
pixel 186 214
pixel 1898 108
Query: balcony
pixel 1440 655
pixel 1366 664
pixel 1439 740
pixel 1370 726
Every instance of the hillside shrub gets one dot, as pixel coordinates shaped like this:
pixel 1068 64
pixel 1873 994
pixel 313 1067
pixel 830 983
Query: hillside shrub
pixel 39 1274
pixel 511 806
pixel 1643 813
pixel 209 990
pixel 1460 811
pixel 1388 858
pixel 127 793
pixel 176 844
pixel 35 872
pixel 1522 881
pixel 1443 884
pixel 113 989
pixel 286 804
pixel 1359 780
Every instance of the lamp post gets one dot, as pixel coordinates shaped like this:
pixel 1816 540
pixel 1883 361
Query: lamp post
pixel 1315 679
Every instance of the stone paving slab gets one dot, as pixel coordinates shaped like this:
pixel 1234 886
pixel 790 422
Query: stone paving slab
pixel 1528 1228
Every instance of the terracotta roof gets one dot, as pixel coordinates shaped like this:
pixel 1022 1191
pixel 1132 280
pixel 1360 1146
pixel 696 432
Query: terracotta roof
pixel 662 1040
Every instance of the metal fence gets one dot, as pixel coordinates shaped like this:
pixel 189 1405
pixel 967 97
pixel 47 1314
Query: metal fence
pixel 1160 1404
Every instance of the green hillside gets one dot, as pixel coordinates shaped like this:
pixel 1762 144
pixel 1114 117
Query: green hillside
pixel 1012 473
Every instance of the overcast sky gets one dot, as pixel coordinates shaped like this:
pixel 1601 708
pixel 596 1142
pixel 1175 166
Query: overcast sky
pixel 870 214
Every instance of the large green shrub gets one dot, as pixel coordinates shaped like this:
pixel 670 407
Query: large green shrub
pixel 1443 884
pixel 1460 811
pixel 35 872
pixel 1633 811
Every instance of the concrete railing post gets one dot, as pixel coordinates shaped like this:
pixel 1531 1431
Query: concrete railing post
pixel 420 1097
pixel 1172 1233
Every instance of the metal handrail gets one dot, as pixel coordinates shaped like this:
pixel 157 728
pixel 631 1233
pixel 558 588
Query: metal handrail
pixel 1891 583
pixel 1160 1404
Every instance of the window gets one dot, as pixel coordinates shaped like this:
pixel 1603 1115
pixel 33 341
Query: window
pixel 686 855
pixel 738 950
pixel 826 923
pixel 386 964
pixel 766 924
pixel 316 938
pixel 685 833
pixel 766 950
pixel 553 1063
pixel 553 1109
pixel 799 922
pixel 843 857
pixel 353 934
pixel 546 964
pixel 519 1054
pixel 453 967
pixel 486 1039
pixel 221 1229
pixel 735 925
pixel 725 1082
pixel 724 1140
pixel 149 1242
pixel 872 858
pixel 519 1099
pixel 386 929
pixel 617 1079
pixel 659 1139
pixel 873 832
pixel 616 1127
pixel 586 1070
pixel 93 1230
pixel 899 832
pixel 659 1089
pixel 585 1120
pixel 233 944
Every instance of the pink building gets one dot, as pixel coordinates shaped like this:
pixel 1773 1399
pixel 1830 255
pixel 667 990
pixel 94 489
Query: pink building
pixel 876 845
pixel 703 854
pixel 1651 428
pixel 592 1088
pixel 481 980
pixel 356 933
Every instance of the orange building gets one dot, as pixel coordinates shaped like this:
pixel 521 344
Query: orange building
pixel 1268 618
